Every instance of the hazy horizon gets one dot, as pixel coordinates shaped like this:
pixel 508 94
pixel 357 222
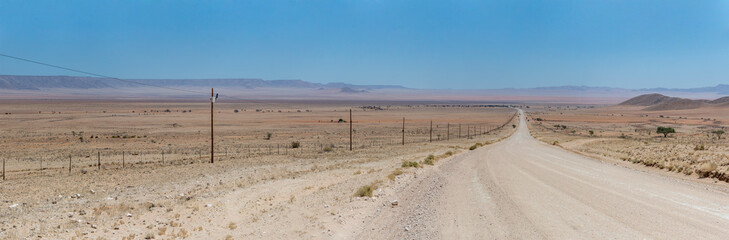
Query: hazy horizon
pixel 425 45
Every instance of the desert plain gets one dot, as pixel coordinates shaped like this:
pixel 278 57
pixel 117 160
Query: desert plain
pixel 282 170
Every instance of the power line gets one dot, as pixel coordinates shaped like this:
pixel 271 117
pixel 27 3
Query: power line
pixel 97 75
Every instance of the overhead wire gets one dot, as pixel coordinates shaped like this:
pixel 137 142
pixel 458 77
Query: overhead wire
pixel 100 75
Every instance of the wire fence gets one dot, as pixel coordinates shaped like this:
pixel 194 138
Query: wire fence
pixel 102 159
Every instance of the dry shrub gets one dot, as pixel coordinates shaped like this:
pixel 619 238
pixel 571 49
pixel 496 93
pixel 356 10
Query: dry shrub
pixel 706 169
pixel 409 164
pixel 429 159
pixel 394 174
pixel 366 190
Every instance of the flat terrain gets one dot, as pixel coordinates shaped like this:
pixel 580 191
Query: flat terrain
pixel 500 183
pixel 521 188
pixel 257 188
pixel 627 136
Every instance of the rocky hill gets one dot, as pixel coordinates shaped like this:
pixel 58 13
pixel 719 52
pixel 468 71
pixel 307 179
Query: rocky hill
pixel 659 102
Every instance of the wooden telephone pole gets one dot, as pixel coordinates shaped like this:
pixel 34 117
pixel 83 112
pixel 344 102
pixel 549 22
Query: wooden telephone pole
pixel 403 131
pixel 350 129
pixel 212 134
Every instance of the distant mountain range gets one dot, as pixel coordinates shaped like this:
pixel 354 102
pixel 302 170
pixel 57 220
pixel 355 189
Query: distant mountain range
pixel 658 102
pixel 69 87
pixel 14 82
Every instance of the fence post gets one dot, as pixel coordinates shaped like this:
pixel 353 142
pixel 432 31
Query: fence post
pixel 448 131
pixel 431 130
pixel 41 164
pixel 69 163
pixel 122 159
pixel 350 129
pixel 163 157
pixel 459 130
pixel 3 169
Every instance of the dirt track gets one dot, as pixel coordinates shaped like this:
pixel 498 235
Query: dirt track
pixel 521 188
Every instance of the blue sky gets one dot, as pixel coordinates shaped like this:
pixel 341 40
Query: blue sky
pixel 421 44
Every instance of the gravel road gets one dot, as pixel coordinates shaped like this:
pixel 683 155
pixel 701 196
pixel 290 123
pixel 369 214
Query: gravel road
pixel 521 188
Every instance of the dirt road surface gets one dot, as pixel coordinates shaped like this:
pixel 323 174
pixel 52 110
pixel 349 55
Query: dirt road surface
pixel 521 188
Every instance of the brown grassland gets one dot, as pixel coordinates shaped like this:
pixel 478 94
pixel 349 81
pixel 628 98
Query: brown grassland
pixel 259 187
pixel 627 135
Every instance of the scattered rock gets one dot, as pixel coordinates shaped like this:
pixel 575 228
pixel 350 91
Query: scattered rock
pixel 394 203
pixel 129 215
pixel 14 205
pixel 81 212
pixel 208 205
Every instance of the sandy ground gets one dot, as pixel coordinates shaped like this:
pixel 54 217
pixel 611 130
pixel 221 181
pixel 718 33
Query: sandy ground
pixel 521 188
pixel 627 136
pixel 247 194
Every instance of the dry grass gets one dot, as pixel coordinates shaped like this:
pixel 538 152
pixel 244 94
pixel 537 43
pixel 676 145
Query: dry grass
pixel 630 135
pixel 181 188
pixel 367 190
pixel 394 174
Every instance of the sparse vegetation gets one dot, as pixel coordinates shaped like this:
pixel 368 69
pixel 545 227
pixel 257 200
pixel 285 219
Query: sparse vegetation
pixel 706 169
pixel 665 131
pixel 407 164
pixel 475 146
pixel 429 159
pixel 366 190
pixel 295 144
pixel 327 149
pixel 718 133
pixel 394 174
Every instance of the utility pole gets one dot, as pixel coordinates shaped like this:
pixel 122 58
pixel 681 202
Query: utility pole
pixel 350 129
pixel 403 131
pixel 431 130
pixel 212 133
pixel 448 131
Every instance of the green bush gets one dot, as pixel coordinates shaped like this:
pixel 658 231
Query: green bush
pixel 429 159
pixel 665 131
pixel 295 144
pixel 409 164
